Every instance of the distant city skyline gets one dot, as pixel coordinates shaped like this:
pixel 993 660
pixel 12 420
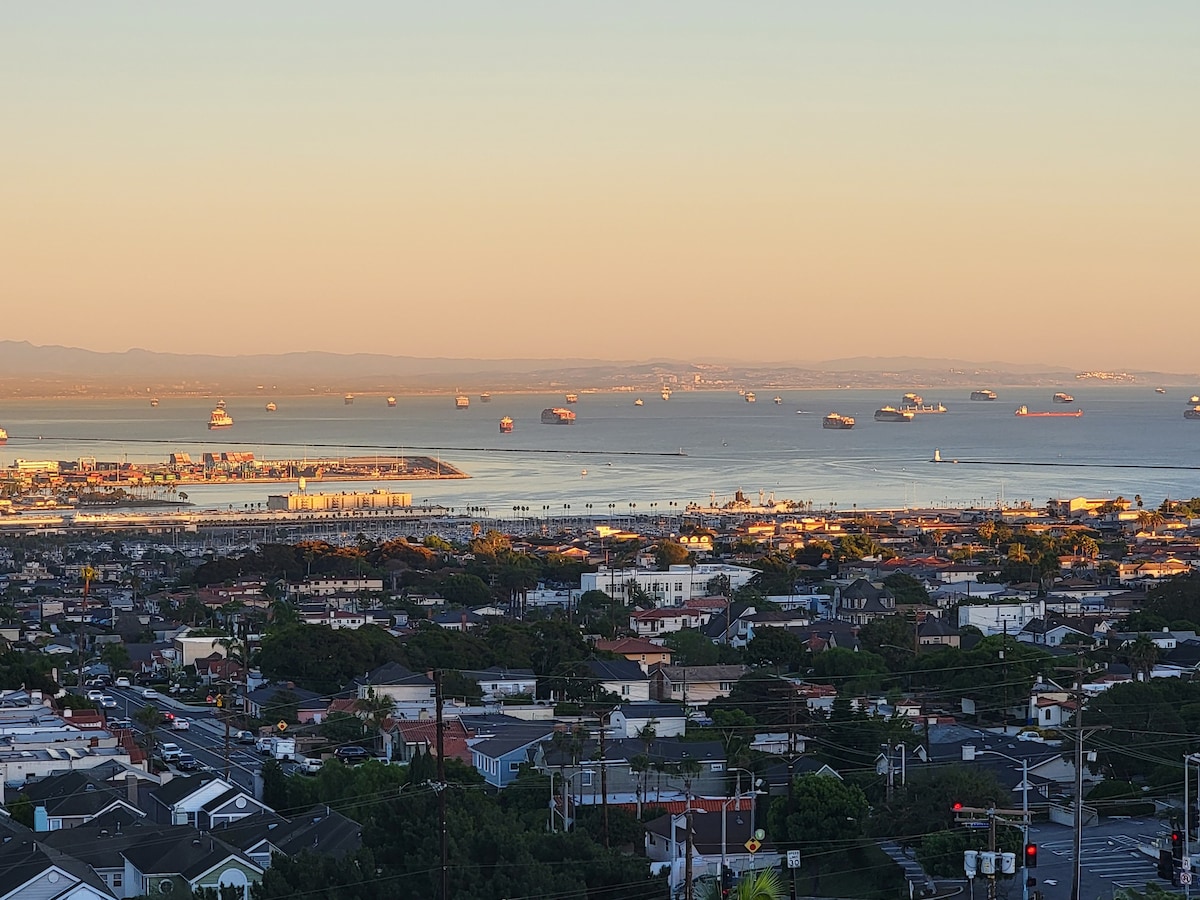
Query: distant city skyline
pixel 782 180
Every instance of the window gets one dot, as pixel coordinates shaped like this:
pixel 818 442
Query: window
pixel 1046 715
pixel 625 691
pixel 679 585
pixel 725 686
pixel 514 767
pixel 586 778
pixel 718 767
pixel 117 879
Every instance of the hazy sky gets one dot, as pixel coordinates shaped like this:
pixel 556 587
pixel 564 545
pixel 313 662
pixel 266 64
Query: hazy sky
pixel 785 180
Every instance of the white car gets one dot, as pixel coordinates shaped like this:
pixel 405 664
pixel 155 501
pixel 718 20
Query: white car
pixel 95 695
pixel 149 693
pixel 123 682
pixel 170 751
pixel 181 724
pixel 310 766
pixel 108 702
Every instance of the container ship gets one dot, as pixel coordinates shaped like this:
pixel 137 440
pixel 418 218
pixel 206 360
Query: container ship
pixel 891 414
pixel 572 398
pixel 983 395
pixel 506 425
pixel 462 401
pixel 218 418
pixel 839 422
pixel 1060 397
pixel 558 416
pixel 1023 412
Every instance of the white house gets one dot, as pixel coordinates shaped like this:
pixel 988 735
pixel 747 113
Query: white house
pixel 993 618
pixel 667 719
pixel 673 587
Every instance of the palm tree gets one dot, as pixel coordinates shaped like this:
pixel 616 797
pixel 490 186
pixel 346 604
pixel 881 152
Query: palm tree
pixel 373 709
pixel 761 884
pixel 1142 656
pixel 149 718
pixel 1018 553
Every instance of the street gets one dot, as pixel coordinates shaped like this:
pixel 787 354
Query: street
pixel 205 739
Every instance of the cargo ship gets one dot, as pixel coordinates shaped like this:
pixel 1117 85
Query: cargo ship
pixel 506 425
pixel 778 401
pixel 462 401
pixel 911 400
pixel 639 402
pixel 924 409
pixel 750 398
pixel 218 418
pixel 271 407
pixel 1023 412
pixel 348 399
pixel 1194 399
pixel 1190 413
pixel 834 420
pixel 391 401
pixel 1060 397
pixel 557 416
pixel 3 436
pixel 485 397
pixel 154 401
pixel 572 398
pixel 983 395
pixel 891 414
pixel 666 393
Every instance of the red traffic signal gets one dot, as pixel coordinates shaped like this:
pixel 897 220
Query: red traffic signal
pixel 1177 844
pixel 957 807
pixel 1031 856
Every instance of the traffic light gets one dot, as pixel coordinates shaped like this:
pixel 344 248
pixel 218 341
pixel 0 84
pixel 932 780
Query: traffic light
pixel 1177 844
pixel 957 807
pixel 726 880
pixel 1031 855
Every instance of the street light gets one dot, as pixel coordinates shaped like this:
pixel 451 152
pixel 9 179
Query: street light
pixel 968 754
pixel 566 784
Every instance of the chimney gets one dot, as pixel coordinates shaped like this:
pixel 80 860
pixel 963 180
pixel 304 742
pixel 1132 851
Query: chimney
pixel 131 788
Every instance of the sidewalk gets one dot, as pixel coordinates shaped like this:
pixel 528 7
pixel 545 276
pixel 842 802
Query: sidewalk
pixel 919 882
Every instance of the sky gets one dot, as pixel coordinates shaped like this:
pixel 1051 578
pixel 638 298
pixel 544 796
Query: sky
pixel 786 181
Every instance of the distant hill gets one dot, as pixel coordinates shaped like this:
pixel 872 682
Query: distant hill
pixel 28 370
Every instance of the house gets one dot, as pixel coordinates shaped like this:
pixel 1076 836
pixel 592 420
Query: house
pixel 395 681
pixel 630 719
pixel 693 685
pixel 715 837
pixel 1151 570
pixel 272 701
pixel 321 829
pixel 30 869
pixel 665 620
pixel 202 801
pixel 75 797
pixel 499 758
pixel 407 738
pixel 935 631
pixel 1048 633
pixel 639 650
pixel 459 620
pixel 621 677
pixel 497 682
pixel 861 602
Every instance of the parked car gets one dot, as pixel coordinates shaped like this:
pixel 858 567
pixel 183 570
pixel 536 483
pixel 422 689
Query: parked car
pixel 187 762
pixel 108 702
pixel 95 695
pixel 149 694
pixel 123 682
pixel 170 752
pixel 310 766
pixel 179 723
pixel 245 737
pixel 351 754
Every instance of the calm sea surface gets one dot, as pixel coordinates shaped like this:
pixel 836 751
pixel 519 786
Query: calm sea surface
pixel 730 445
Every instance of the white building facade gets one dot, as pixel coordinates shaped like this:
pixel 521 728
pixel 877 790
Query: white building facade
pixel 677 585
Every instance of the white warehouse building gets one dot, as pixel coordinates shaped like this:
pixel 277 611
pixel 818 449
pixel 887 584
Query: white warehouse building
pixel 677 585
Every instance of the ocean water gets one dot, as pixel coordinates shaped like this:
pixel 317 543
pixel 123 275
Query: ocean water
pixel 628 452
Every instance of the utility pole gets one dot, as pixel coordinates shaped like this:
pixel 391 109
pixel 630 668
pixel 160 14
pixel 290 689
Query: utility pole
pixel 1077 843
pixel 225 715
pixel 441 785
pixel 603 781
pixel 688 890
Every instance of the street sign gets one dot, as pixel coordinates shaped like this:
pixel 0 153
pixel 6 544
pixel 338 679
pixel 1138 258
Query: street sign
pixel 1186 863
pixel 793 859
pixel 1185 877
pixel 220 701
pixel 753 845
pixel 282 726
